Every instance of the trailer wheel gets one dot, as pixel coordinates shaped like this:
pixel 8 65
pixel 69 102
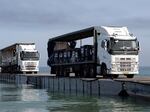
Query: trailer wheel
pixel 130 75
pixel 85 71
pixel 53 70
pixel 91 71
pixel 64 73
pixel 57 71
pixel 81 71
pixel 104 70
pixel 61 71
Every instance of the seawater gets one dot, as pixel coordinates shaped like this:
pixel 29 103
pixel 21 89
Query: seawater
pixel 27 98
pixel 144 71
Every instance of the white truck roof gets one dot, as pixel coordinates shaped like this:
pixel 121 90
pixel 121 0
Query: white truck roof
pixel 116 32
pixel 110 31
pixel 13 45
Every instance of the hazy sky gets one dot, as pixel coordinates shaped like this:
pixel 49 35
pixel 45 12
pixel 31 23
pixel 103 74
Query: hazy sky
pixel 38 20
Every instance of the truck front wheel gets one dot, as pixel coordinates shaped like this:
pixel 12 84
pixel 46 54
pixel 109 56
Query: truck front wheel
pixel 104 70
pixel 130 75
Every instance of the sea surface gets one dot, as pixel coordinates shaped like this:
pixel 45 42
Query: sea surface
pixel 27 98
pixel 144 71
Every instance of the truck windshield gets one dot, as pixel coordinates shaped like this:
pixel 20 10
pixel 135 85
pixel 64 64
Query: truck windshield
pixel 124 46
pixel 29 55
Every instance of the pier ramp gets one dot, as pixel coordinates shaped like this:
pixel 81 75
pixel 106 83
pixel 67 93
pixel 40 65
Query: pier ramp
pixel 138 86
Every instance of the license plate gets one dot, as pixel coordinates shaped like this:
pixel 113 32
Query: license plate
pixel 125 72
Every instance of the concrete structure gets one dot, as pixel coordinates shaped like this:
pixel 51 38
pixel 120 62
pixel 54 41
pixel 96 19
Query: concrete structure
pixel 138 86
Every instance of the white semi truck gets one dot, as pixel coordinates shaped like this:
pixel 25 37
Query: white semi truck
pixel 114 52
pixel 117 52
pixel 19 58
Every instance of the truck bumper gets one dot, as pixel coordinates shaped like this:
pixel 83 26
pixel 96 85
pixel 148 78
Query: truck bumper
pixel 123 73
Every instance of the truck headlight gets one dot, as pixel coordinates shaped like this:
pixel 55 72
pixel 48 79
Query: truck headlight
pixel 113 67
pixel 136 67
pixel 22 67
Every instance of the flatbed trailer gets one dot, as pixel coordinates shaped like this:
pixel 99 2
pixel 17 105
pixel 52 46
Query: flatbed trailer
pixel 80 68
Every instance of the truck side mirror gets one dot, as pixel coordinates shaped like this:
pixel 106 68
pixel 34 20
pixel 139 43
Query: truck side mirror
pixel 108 45
pixel 138 45
pixel 38 55
pixel 104 44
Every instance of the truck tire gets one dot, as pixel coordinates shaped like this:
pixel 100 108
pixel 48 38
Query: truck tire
pixel 57 71
pixel 104 70
pixel 52 71
pixel 85 71
pixel 130 75
pixel 91 71
pixel 81 71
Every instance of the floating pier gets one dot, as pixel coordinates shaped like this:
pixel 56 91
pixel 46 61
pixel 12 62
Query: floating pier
pixel 138 86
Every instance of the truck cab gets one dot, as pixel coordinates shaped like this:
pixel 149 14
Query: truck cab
pixel 117 52
pixel 28 58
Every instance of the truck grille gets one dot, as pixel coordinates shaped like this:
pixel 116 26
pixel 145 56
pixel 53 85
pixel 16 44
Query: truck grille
pixel 30 65
pixel 125 64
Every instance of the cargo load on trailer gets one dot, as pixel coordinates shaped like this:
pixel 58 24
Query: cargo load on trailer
pixel 19 58
pixel 114 52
